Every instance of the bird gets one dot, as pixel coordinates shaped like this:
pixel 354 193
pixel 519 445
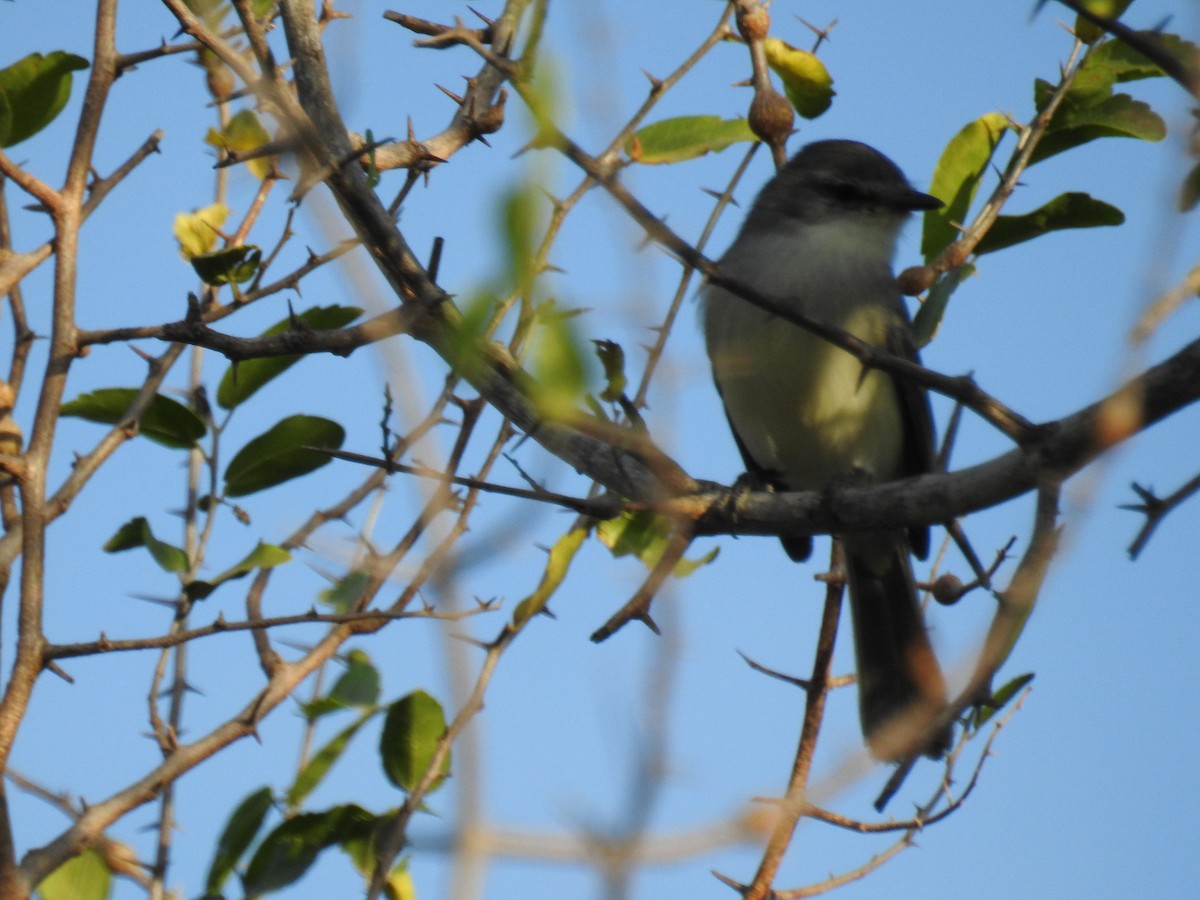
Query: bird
pixel 807 415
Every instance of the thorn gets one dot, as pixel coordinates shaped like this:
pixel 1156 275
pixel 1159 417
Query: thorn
pixel 801 683
pixel 160 601
pixel 644 617
pixel 449 93
pixel 435 258
pixel 729 882
pixel 720 195
pixel 525 148
pixel 54 667
pixel 655 82
pixel 483 18
pixel 473 641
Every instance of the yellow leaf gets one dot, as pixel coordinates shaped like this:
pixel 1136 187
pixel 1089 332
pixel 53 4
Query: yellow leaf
pixel 561 555
pixel 806 81
pixel 197 231
pixel 243 133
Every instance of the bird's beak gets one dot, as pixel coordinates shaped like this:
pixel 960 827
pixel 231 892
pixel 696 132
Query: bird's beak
pixel 914 200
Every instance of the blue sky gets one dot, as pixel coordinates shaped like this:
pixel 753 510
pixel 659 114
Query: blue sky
pixel 1091 790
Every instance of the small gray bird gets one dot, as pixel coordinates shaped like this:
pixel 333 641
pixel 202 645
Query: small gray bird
pixel 806 415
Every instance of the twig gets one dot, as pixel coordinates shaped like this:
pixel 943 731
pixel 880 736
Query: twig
pixel 1155 509
pixel 793 805
pixel 926 816
pixel 663 331
pixel 1158 311
pixel 802 683
pixel 638 606
pixel 371 617
pixel 603 507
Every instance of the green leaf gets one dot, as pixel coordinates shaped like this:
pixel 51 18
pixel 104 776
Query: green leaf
pixel 373 176
pixel 806 81
pixel 239 832
pixel 557 363
pixel 356 688
pixel 1000 698
pixel 136 533
pixel 347 592
pixel 464 346
pixel 197 231
pixel 1119 117
pixel 685 137
pixel 411 731
pixel 1070 210
pixel 1189 194
pixel 1088 32
pixel 263 556
pixel 243 133
pixel 84 877
pixel 543 99
pixel 211 12
pixel 287 852
pixel 561 555
pixel 1090 109
pixel 1124 63
pixel 281 454
pixel 242 380
pixel 230 265
pixel 929 316
pixel 1112 62
pixel 322 761
pixel 518 222
pixel 956 179
pixel 6 116
pixel 645 535
pixel 35 89
pixel 612 357
pixel 165 421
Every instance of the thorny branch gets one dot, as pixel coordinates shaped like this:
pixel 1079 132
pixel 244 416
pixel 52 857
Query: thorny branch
pixel 629 464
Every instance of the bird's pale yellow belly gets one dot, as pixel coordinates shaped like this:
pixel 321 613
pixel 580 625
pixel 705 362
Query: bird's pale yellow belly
pixel 803 408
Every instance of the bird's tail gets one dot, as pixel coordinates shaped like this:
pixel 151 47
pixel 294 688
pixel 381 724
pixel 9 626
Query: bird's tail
pixel 901 691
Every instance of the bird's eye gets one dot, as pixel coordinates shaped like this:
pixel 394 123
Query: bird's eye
pixel 844 191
